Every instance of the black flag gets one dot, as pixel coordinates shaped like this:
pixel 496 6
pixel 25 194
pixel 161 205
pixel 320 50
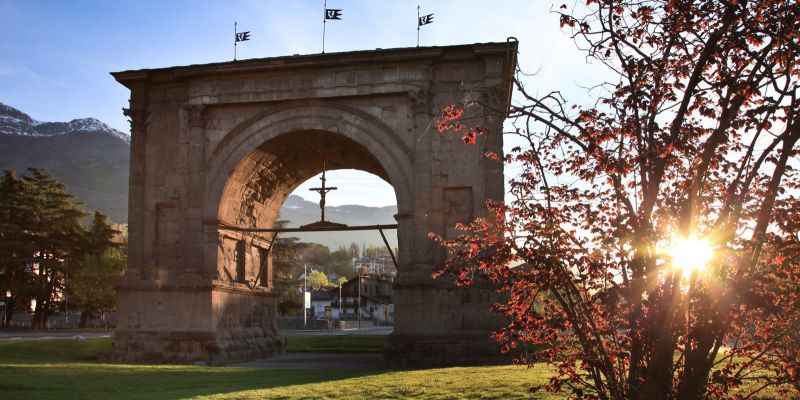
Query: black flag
pixel 425 20
pixel 242 36
pixel 333 14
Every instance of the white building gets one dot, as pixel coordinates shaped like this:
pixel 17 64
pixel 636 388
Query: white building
pixel 380 265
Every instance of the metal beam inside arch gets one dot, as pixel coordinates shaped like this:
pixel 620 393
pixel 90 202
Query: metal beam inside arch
pixel 316 227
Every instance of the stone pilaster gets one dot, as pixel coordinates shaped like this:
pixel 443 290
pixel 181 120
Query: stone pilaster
pixel 138 119
pixel 192 236
pixel 423 119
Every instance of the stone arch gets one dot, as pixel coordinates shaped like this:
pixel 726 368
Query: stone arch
pixel 328 117
pixel 260 162
pixel 204 134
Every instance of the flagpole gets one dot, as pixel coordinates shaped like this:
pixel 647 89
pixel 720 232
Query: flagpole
pixel 417 25
pixel 235 33
pixel 324 23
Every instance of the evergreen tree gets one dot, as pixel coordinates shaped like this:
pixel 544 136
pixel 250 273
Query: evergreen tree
pixel 341 262
pixel 43 249
pixel 16 245
pixel 57 236
pixel 353 250
pixel 101 234
pixel 91 285
pixel 318 254
pixel 287 260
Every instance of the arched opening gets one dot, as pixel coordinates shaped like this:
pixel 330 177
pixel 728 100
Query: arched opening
pixel 361 198
pixel 264 178
pixel 260 185
pixel 348 274
pixel 252 198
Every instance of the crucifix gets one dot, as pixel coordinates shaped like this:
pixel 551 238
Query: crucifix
pixel 322 192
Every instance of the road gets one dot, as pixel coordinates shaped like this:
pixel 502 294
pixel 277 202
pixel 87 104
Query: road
pixel 27 334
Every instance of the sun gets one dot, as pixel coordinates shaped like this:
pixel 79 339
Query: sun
pixel 690 254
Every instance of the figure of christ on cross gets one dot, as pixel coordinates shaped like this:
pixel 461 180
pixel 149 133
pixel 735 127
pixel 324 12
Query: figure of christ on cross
pixel 322 192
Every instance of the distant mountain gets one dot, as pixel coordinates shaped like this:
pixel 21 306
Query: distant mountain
pixel 93 160
pixel 299 211
pixel 90 157
pixel 16 122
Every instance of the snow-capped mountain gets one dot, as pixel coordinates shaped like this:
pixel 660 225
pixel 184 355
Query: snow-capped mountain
pixel 93 160
pixel 90 157
pixel 16 122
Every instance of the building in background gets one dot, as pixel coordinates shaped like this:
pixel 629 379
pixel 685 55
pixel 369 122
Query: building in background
pixel 380 265
pixel 376 297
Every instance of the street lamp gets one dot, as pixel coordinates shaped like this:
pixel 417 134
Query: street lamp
pixel 386 278
pixel 66 301
pixel 341 281
pixel 5 313
pixel 305 294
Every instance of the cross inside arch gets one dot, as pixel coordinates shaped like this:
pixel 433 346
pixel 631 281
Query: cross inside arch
pixel 322 192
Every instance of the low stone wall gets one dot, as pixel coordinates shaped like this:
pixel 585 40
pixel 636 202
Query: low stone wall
pixel 296 324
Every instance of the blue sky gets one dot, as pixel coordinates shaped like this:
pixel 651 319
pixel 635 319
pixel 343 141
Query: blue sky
pixel 55 56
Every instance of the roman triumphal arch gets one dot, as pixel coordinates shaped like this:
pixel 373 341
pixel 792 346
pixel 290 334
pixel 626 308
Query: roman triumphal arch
pixel 217 148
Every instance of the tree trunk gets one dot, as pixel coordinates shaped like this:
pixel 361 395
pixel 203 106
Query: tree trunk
pixel 103 321
pixel 695 379
pixel 36 322
pixel 84 319
pixel 659 378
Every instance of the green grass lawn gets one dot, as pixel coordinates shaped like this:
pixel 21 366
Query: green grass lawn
pixel 66 369
pixel 510 382
pixel 335 344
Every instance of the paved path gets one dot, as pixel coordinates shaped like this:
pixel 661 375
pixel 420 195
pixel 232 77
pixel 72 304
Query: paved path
pixel 372 330
pixel 358 361
pixel 23 334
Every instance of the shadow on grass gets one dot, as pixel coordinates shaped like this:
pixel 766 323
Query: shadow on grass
pixel 57 369
pixel 93 380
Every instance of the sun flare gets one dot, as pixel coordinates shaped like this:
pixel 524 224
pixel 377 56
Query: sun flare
pixel 690 254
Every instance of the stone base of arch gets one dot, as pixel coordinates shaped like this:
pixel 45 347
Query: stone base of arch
pixel 444 325
pixel 187 325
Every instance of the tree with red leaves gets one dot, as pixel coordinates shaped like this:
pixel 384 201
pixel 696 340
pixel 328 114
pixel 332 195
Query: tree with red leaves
pixel 651 242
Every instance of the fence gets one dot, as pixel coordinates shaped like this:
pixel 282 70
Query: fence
pixel 24 320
